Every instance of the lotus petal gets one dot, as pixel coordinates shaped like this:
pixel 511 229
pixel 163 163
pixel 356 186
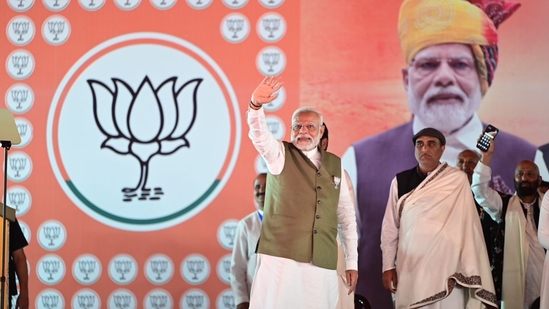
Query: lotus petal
pixel 103 101
pixel 170 146
pixel 119 145
pixel 186 98
pixel 123 96
pixel 145 116
pixel 166 96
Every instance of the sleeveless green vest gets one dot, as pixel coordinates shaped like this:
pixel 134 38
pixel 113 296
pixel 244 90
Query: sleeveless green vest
pixel 300 220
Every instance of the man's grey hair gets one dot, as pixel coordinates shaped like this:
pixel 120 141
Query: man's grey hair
pixel 307 109
pixel 477 153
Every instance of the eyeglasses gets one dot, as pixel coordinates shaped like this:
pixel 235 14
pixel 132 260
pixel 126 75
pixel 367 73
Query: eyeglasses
pixel 309 127
pixel 460 66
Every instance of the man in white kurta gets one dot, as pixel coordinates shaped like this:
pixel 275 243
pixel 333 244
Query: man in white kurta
pixel 437 101
pixel 434 255
pixel 244 258
pixel 282 282
pixel 523 255
pixel 345 300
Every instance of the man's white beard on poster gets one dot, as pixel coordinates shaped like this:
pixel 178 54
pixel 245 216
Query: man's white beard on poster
pixel 447 110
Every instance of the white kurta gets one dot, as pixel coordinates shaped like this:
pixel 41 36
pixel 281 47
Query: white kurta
pixel 244 258
pixel 284 283
pixel 543 234
pixel 345 300
pixel 522 262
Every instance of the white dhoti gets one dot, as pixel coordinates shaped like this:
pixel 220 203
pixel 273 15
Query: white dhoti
pixel 284 283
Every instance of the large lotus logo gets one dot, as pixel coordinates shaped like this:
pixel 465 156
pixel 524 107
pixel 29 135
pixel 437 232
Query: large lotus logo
pixel 130 136
pixel 144 122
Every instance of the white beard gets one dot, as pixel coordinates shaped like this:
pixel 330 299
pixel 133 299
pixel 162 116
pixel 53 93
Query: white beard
pixel 444 117
pixel 308 146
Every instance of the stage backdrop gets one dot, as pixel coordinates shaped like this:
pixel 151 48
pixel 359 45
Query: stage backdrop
pixel 135 164
pixel 135 167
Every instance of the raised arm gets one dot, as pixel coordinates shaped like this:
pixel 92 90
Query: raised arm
pixel 486 197
pixel 264 141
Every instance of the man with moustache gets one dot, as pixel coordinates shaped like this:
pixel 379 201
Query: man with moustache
pixel 434 255
pixel 244 258
pixel 307 197
pixel 451 60
pixel 519 213
pixel 467 160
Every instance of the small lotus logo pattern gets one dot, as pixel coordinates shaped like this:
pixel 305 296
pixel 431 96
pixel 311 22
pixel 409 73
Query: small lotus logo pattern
pixel 144 122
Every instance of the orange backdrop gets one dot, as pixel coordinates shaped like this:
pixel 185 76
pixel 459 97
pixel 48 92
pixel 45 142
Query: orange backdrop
pixel 342 57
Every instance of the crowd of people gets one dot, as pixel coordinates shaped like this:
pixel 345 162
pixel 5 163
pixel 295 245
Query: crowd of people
pixel 418 232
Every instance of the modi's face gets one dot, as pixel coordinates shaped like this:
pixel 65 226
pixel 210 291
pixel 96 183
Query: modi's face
pixel 443 86
pixel 306 131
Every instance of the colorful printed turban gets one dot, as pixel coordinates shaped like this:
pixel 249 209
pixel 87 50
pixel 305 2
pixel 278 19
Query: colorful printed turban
pixel 423 23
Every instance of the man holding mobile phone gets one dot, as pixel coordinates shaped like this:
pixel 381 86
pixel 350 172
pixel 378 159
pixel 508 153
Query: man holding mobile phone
pixel 450 64
pixel 489 134
pixel 518 215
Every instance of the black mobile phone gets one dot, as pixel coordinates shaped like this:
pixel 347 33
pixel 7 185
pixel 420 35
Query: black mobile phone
pixel 489 134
